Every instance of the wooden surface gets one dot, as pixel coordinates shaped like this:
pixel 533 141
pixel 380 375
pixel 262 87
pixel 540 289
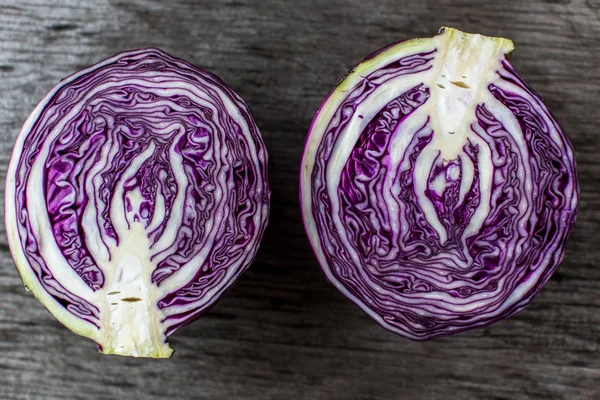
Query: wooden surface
pixel 283 332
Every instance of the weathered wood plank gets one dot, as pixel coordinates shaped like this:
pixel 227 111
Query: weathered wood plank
pixel 282 332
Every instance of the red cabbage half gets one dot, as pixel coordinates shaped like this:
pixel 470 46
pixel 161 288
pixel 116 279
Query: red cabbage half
pixel 136 194
pixel 437 189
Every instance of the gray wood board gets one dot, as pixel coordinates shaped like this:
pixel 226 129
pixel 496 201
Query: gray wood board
pixel 283 332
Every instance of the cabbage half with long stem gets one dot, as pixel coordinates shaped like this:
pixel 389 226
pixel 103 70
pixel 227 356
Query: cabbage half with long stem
pixel 437 189
pixel 136 194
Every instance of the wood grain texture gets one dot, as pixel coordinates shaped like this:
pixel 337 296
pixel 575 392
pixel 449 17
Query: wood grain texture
pixel 283 332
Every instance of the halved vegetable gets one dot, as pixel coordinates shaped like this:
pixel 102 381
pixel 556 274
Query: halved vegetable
pixel 136 194
pixel 437 189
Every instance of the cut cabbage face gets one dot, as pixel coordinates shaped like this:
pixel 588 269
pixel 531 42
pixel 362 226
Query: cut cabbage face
pixel 137 193
pixel 437 189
